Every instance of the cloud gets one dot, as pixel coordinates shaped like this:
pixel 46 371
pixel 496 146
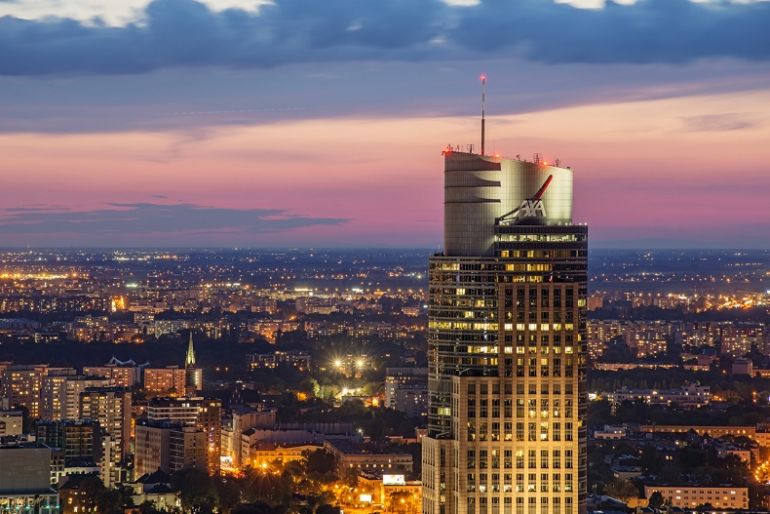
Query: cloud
pixel 116 13
pixel 186 33
pixel 144 223
pixel 723 122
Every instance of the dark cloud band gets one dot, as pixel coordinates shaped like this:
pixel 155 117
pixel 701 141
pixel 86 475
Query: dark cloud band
pixel 135 221
pixel 185 33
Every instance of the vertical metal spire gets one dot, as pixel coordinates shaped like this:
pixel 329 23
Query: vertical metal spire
pixel 189 360
pixel 483 101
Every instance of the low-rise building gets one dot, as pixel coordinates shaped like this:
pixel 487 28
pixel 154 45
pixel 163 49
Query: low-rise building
pixel 156 488
pixel 406 390
pixel 369 459
pixel 611 432
pixel 689 497
pixel 392 492
pixel 265 453
pixel 243 418
pixel 11 422
pixel 25 480
pixel 298 360
pixel 690 396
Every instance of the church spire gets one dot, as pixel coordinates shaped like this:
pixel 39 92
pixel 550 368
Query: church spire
pixel 189 360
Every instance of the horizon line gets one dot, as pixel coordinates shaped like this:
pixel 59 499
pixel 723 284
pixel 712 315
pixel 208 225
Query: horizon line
pixel 315 248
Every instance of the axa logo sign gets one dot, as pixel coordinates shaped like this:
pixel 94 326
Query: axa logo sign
pixel 530 209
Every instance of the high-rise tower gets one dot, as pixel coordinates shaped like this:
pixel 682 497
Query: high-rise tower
pixel 506 343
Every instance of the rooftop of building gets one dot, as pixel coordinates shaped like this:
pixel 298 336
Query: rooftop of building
pixel 457 152
pixel 156 477
pixel 350 448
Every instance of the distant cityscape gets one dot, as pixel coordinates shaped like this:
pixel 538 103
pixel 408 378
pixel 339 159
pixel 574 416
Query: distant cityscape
pixel 136 367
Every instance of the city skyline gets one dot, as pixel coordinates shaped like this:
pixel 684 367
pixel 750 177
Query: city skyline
pixel 339 148
pixel 332 257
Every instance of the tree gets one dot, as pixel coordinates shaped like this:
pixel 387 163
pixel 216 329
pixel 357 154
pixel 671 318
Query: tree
pixel 651 459
pixel 257 508
pixel 197 490
pixel 229 495
pixel 148 507
pixel 402 502
pixel 349 477
pixel 260 485
pixel 327 509
pixel 316 502
pixel 111 501
pixel 599 413
pixel 321 466
pixel 670 473
pixel 656 500
pixel 623 489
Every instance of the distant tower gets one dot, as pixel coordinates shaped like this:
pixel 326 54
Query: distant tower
pixel 193 374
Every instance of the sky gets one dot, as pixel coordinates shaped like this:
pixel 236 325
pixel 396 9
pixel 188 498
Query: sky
pixel 251 123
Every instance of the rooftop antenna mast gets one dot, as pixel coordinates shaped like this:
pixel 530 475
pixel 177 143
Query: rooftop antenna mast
pixel 483 101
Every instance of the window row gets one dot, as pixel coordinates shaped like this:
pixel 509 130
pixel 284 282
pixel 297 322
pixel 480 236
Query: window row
pixel 543 431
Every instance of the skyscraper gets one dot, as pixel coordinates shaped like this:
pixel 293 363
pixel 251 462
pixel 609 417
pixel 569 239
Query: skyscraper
pixel 506 343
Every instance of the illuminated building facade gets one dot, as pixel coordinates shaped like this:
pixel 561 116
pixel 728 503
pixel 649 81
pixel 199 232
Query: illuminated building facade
pixel 406 390
pixel 53 393
pixel 170 380
pixel 78 440
pixel 169 447
pixel 111 408
pixel 689 497
pixel 507 343
pixel 21 386
pixel 204 414
pixel 74 386
pixel 120 374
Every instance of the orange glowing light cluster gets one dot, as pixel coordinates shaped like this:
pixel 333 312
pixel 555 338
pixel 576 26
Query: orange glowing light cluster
pixel 36 276
pixel 762 473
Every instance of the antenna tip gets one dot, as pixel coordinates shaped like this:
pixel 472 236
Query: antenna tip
pixel 483 78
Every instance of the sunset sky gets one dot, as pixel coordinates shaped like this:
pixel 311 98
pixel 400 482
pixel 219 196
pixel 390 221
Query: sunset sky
pixel 320 123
